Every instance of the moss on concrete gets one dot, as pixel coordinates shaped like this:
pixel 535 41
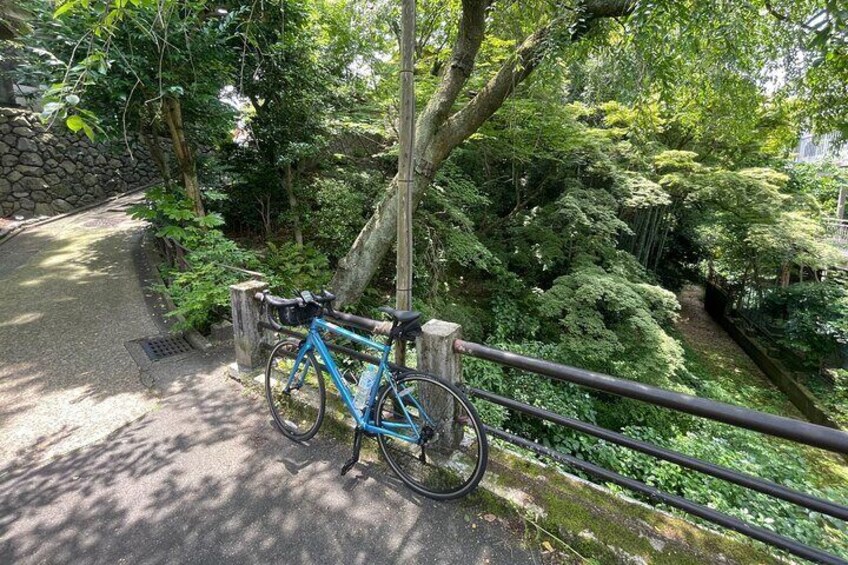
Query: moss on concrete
pixel 605 527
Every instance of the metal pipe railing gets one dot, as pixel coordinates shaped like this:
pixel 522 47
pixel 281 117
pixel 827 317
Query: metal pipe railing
pixel 779 426
pixel 714 516
pixel 729 475
pixel 367 324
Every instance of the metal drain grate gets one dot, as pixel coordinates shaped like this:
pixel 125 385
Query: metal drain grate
pixel 158 348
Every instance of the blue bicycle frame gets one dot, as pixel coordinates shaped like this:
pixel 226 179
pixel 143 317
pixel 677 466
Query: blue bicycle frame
pixel 407 431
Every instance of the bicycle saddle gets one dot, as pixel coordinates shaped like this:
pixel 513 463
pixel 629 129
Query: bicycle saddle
pixel 402 316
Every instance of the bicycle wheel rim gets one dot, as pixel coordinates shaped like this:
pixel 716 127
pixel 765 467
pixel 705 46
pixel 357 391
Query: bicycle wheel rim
pixel 454 457
pixel 299 411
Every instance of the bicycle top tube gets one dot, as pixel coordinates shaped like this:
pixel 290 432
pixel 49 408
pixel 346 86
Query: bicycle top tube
pixel 320 323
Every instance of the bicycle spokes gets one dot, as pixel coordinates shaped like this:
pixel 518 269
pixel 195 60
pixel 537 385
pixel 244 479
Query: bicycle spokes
pixel 447 454
pixel 295 394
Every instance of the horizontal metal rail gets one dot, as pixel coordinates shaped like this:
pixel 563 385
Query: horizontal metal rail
pixel 735 477
pixel 779 426
pixel 367 324
pixel 714 516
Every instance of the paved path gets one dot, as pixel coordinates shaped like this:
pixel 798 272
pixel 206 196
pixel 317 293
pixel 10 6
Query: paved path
pixel 206 479
pixel 70 299
pixel 727 359
pixel 189 472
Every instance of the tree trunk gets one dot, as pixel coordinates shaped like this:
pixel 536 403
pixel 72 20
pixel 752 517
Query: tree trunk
pixel 264 202
pixel 151 139
pixel 7 87
pixel 363 259
pixel 840 204
pixel 183 153
pixel 438 131
pixel 298 234
pixel 785 275
pixel 661 244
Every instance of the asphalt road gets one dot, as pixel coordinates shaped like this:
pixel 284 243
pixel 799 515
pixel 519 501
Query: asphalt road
pixel 70 298
pixel 206 479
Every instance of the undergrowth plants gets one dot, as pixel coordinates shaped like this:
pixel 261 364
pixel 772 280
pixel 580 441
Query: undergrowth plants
pixel 201 291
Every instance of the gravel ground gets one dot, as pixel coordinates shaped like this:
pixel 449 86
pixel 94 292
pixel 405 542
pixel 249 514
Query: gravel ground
pixel 71 297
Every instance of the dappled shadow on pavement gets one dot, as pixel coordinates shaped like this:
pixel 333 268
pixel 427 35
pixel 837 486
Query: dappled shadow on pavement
pixel 71 299
pixel 207 479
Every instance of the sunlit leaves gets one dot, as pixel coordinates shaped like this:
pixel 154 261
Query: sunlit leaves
pixel 76 123
pixel 611 324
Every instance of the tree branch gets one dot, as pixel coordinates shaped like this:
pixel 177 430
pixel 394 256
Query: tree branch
pixel 514 70
pixel 784 18
pixel 596 9
pixel 492 96
pixel 471 31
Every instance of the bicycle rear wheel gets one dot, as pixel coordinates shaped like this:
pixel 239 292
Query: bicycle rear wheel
pixel 451 458
pixel 297 403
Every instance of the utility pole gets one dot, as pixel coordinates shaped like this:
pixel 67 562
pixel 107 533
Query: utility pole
pixel 406 164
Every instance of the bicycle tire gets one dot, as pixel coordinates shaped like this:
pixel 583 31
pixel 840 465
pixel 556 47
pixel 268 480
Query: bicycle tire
pixel 304 404
pixel 399 454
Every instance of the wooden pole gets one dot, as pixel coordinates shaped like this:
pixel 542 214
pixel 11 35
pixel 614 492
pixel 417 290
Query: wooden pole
pixel 406 164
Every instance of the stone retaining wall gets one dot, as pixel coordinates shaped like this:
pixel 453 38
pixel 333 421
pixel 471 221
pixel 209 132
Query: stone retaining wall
pixel 45 172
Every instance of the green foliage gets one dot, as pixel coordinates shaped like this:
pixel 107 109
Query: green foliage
pixel 254 191
pixel 292 269
pixel 752 227
pixel 816 322
pixel 172 214
pixel 285 80
pixel 201 293
pixel 562 398
pixel 741 451
pixel 611 324
pixel 824 103
pixel 136 53
pixel 340 210
pixel 444 230
pixel 821 181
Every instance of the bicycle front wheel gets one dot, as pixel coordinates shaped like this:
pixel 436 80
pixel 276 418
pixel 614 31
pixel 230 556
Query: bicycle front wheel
pixel 450 458
pixel 296 399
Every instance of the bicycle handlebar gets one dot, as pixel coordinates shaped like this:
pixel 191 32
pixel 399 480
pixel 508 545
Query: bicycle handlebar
pixel 306 298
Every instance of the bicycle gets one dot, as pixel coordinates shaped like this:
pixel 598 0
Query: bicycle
pixel 428 431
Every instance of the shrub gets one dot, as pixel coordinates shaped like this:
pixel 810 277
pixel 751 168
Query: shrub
pixel 816 324
pixel 291 269
pixel 609 323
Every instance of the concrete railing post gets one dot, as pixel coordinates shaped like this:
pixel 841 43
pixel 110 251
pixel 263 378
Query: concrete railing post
pixel 436 356
pixel 435 350
pixel 248 336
